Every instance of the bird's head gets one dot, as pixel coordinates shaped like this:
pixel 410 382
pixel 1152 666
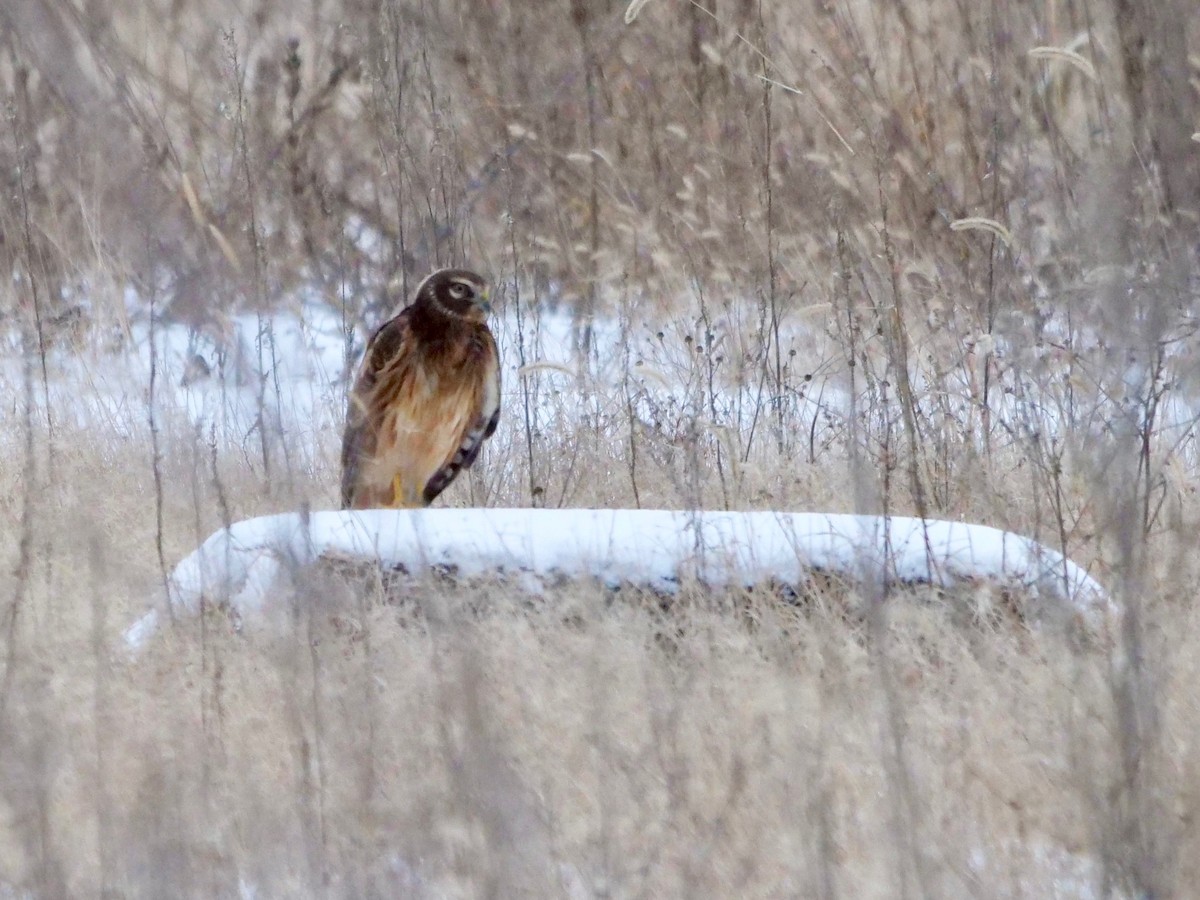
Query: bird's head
pixel 456 292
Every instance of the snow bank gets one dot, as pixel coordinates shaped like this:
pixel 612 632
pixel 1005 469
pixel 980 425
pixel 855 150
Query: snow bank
pixel 651 548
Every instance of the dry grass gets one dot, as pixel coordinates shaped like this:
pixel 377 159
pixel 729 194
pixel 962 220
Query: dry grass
pixel 933 258
pixel 466 743
pixel 432 741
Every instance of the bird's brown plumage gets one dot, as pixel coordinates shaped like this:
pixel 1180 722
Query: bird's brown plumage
pixel 426 398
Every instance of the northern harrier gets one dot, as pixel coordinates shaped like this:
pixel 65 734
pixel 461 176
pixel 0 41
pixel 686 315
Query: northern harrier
pixel 426 398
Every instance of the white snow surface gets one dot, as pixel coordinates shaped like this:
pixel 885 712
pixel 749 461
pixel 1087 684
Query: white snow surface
pixel 657 549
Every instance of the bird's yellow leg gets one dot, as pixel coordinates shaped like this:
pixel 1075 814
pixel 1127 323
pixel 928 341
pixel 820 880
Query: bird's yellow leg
pixel 398 492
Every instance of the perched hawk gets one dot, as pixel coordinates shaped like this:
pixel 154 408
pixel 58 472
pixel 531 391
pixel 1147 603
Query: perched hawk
pixel 426 398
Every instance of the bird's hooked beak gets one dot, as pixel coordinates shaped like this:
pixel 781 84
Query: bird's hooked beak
pixel 485 301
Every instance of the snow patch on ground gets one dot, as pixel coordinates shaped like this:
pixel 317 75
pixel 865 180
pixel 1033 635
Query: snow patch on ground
pixel 288 372
pixel 658 549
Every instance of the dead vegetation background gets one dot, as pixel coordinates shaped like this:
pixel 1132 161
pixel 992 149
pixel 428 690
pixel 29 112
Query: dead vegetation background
pixel 933 258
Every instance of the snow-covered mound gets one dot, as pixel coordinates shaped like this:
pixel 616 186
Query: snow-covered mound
pixel 653 548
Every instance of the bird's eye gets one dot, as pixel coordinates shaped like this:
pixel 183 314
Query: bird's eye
pixel 458 291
